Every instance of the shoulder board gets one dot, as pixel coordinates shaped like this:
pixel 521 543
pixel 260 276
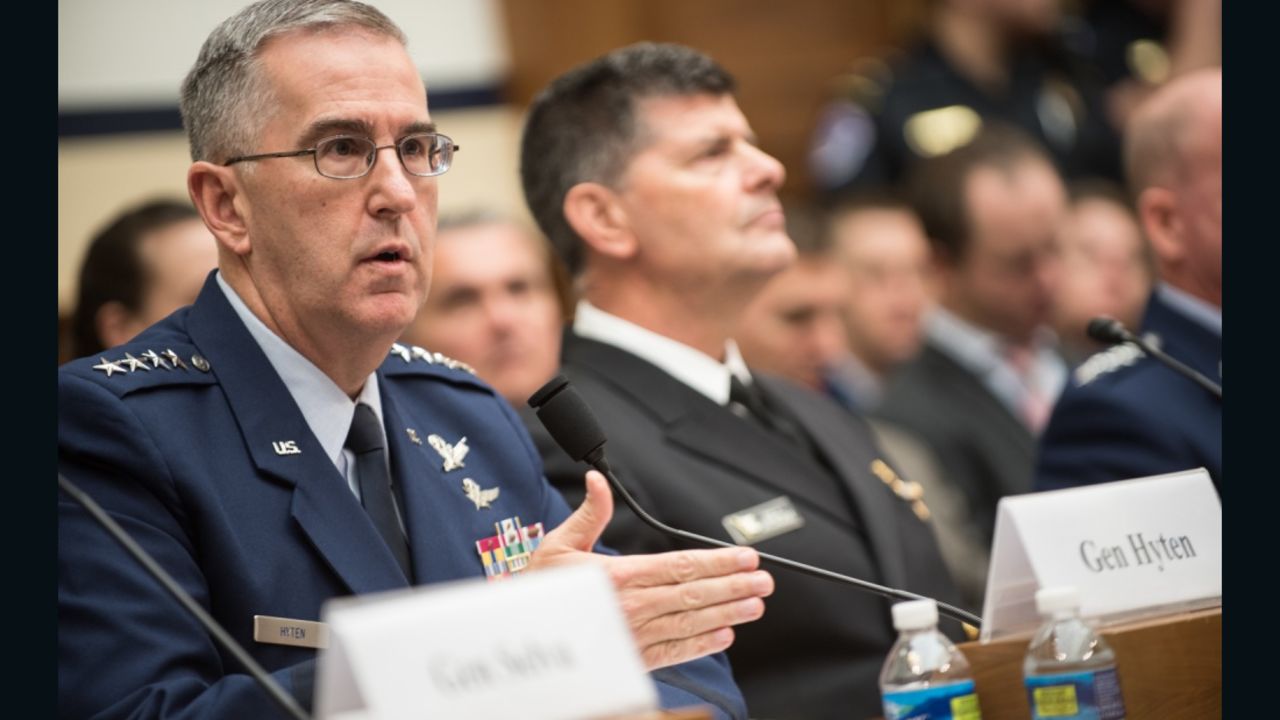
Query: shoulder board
pixel 1112 359
pixel 137 366
pixel 414 360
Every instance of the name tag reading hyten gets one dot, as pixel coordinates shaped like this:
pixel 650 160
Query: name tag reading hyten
pixel 288 631
pixel 1133 548
pixel 550 645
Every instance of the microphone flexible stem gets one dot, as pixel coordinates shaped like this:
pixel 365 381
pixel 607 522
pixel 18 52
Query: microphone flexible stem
pixel 597 461
pixel 1177 365
pixel 268 683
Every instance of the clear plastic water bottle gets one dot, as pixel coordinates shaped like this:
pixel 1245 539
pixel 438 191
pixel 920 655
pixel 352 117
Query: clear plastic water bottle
pixel 925 677
pixel 1069 670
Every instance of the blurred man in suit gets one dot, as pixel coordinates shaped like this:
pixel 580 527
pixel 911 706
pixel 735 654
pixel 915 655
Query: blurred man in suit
pixel 645 174
pixel 859 282
pixel 881 246
pixel 495 303
pixel 1127 415
pixel 794 327
pixel 147 262
pixel 1106 269
pixel 266 444
pixel 982 388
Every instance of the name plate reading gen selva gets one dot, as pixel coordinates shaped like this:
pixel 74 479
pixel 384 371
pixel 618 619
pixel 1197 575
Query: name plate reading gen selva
pixel 547 645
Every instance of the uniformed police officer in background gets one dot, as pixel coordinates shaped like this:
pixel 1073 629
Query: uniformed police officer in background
pixel 269 444
pixel 978 62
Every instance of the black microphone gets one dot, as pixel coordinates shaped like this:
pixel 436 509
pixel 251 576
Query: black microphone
pixel 575 429
pixel 1111 331
pixel 268 683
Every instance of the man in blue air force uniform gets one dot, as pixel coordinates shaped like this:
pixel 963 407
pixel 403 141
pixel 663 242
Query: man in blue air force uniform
pixel 1127 415
pixel 273 447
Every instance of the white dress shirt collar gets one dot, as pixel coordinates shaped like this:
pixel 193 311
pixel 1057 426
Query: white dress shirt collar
pixel 1199 311
pixel 700 371
pixel 325 407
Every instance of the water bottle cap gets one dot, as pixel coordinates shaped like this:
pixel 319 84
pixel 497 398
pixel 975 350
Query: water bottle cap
pixel 915 614
pixel 1052 600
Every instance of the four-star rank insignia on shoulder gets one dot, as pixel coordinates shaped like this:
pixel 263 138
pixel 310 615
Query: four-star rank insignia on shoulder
pixel 507 553
pixel 409 353
pixel 167 360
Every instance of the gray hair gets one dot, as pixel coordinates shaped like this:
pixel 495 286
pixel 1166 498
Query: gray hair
pixel 224 95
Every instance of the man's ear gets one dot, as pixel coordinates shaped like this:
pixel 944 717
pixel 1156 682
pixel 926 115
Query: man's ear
pixel 1158 212
pixel 596 215
pixel 218 196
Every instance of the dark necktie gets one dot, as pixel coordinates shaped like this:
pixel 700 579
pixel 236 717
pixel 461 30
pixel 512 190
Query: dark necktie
pixel 365 440
pixel 749 398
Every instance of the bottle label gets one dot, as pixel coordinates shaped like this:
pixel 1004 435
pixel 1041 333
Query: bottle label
pixel 953 701
pixel 1089 695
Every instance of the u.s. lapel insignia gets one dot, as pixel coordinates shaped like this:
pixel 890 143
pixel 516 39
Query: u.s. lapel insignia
pixel 109 367
pixel 909 490
pixel 413 436
pixel 156 360
pixel 134 363
pixel 452 454
pixel 480 496
pixel 507 553
pixel 286 447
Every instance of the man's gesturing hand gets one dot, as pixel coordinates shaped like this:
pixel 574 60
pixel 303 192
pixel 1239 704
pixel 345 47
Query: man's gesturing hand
pixel 680 605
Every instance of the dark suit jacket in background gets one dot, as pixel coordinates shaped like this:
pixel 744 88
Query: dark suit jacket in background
pixel 184 460
pixel 1139 419
pixel 818 650
pixel 981 448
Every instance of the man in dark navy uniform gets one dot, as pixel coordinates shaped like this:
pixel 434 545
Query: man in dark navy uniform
pixel 645 174
pixel 979 63
pixel 1126 415
pixel 273 447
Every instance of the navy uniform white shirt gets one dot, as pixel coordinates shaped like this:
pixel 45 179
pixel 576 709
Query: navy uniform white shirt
pixel 697 462
pixel 701 372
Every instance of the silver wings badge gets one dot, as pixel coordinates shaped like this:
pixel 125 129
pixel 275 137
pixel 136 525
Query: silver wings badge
pixel 452 454
pixel 480 497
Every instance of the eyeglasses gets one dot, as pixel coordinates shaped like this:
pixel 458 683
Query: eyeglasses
pixel 346 157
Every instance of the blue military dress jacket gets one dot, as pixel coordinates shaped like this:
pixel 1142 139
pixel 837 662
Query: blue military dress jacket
pixel 190 440
pixel 1126 415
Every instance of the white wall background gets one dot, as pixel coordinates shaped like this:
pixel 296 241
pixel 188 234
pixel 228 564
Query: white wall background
pixel 135 52
pixel 116 54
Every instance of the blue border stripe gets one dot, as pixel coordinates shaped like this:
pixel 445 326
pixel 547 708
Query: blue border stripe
pixel 85 123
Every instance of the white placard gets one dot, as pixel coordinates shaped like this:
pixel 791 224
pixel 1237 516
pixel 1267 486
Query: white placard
pixel 546 645
pixel 1127 546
